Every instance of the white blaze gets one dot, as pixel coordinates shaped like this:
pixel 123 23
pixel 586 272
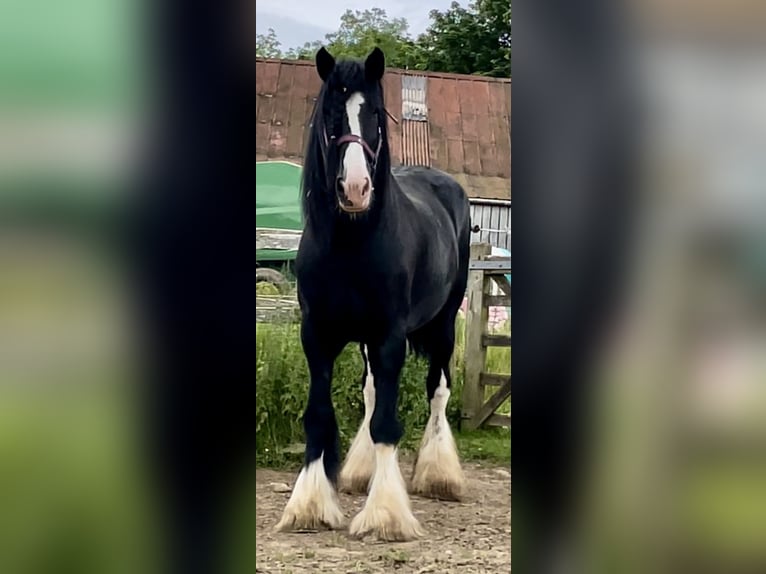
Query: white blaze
pixel 354 162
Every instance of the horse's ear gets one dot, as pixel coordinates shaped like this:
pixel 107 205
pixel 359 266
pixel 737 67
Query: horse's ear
pixel 325 63
pixel 375 65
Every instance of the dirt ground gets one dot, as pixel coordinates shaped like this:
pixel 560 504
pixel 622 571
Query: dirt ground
pixel 470 537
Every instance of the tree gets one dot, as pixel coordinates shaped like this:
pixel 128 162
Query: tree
pixel 267 45
pixel 359 33
pixel 472 40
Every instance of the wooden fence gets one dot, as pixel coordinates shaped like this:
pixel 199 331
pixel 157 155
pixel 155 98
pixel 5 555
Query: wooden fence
pixel 276 309
pixel 484 270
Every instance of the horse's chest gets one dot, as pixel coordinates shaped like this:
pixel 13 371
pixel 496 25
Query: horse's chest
pixel 353 300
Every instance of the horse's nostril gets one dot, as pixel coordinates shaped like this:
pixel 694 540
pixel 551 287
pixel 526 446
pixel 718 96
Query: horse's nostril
pixel 339 185
pixel 366 188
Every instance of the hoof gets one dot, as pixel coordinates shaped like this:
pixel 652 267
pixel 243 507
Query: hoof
pixel 384 525
pixel 354 484
pixel 313 504
pixel 387 514
pixel 430 481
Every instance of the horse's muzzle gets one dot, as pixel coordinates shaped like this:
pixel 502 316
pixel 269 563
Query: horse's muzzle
pixel 354 194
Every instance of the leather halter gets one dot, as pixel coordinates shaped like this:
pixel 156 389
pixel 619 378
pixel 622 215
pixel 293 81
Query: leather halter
pixel 351 138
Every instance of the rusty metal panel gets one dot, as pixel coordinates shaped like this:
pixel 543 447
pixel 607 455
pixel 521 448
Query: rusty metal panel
pixel 298 110
pixel 452 128
pixel 436 122
pixel 266 86
pixel 414 98
pixel 392 93
pixel 467 94
pixel 415 143
pixel 467 131
pixel 279 119
pixel 499 103
pixel 455 157
pixel 487 148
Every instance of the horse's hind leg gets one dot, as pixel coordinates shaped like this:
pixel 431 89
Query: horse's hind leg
pixel 314 501
pixel 437 472
pixel 360 461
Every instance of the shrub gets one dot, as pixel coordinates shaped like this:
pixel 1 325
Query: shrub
pixel 283 383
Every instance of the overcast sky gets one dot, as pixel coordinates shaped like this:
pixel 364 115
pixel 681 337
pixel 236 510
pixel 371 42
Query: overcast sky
pixel 300 21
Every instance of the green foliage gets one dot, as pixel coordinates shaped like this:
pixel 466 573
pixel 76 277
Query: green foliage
pixel 471 40
pixel 282 391
pixel 267 45
pixel 485 444
pixel 359 33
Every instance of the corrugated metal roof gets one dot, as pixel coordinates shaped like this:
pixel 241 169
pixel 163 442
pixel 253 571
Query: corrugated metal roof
pixel 415 143
pixel 467 132
pixel 414 97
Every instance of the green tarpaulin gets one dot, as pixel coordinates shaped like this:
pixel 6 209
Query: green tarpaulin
pixel 277 203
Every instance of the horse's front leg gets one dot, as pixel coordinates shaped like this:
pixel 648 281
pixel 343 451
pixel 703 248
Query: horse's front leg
pixel 314 501
pixel 387 513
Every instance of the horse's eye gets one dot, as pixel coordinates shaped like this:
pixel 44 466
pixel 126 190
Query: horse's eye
pixel 342 89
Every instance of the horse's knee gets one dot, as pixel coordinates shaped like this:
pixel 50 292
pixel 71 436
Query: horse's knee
pixel 385 428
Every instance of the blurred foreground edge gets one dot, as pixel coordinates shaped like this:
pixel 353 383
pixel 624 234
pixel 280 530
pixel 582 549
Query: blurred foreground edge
pixel 574 153
pixel 194 261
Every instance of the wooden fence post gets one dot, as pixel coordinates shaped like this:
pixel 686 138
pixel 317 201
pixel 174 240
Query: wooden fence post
pixel 475 351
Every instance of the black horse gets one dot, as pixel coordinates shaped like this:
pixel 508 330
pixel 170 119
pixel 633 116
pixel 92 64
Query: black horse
pixel 383 261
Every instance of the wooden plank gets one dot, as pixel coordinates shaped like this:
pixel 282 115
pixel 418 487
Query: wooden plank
pixel 502 282
pixel 489 408
pixel 497 301
pixel 476 319
pixel 498 421
pixel 277 239
pixel 488 266
pixel 495 272
pixel 496 340
pixel 494 380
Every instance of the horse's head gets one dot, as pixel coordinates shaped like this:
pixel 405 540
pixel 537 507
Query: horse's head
pixel 352 119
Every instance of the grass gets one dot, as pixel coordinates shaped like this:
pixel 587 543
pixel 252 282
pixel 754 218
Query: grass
pixel 282 387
